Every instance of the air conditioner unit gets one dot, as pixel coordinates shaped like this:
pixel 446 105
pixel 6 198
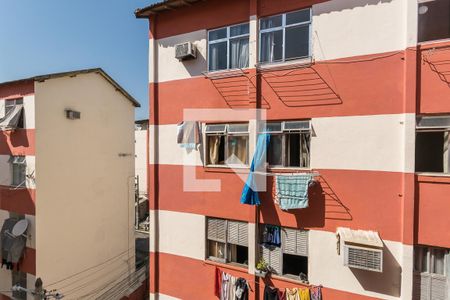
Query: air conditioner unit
pixel 364 258
pixel 185 51
pixel 72 114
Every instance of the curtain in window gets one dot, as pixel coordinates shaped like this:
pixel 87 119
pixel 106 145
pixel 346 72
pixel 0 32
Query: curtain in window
pixel 267 46
pixel 239 53
pixel 213 145
pixel 237 149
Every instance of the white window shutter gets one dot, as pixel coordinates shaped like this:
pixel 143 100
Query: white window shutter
pixel 295 241
pixel 237 233
pixel 421 290
pixel 272 256
pixel 216 229
pixel 438 287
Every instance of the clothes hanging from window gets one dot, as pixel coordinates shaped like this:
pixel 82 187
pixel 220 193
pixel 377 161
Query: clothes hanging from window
pixel 292 190
pixel 304 294
pixel 241 289
pixel 225 286
pixel 218 282
pixel 272 235
pixel 188 134
pixel 253 184
pixel 316 293
pixel 293 294
pixel 271 293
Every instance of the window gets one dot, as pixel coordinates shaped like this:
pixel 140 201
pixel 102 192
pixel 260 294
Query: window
pixel 228 48
pixel 18 165
pixel 432 144
pixel 434 20
pixel 15 120
pixel 226 144
pixel 227 241
pixel 285 37
pixel 289 143
pixel 431 269
pixel 290 259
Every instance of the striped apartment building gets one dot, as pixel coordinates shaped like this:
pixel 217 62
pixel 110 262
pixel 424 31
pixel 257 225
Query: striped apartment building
pixel 355 92
pixel 66 184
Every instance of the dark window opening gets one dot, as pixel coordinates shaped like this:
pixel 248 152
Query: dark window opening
pixel 238 254
pixel 20 279
pixel 293 150
pixel 295 265
pixel 274 151
pixel 434 20
pixel 432 153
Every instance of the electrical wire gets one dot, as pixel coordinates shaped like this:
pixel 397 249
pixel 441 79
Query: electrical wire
pixel 90 268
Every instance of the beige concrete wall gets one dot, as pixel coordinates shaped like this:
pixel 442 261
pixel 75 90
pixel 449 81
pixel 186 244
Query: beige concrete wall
pixel 140 145
pixel 84 188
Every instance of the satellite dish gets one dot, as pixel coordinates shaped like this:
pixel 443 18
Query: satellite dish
pixel 20 227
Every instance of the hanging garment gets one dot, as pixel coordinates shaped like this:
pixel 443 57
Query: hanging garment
pixel 225 286
pixel 304 294
pixel 250 192
pixel 188 134
pixel 241 292
pixel 272 235
pixel 17 249
pixel 270 293
pixel 218 282
pixel 232 288
pixel 292 190
pixel 316 293
pixel 292 294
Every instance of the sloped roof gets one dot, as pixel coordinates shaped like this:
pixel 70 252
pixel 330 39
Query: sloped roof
pixel 74 73
pixel 165 5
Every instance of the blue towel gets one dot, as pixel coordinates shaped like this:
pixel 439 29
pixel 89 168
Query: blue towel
pixel 292 190
pixel 250 192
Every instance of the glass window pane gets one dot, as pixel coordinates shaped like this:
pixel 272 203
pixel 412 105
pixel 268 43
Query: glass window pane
pixel 293 150
pixel 239 30
pixel 298 17
pixel 216 149
pixel 239 53
pixel 438 261
pixel 236 128
pixel 237 150
pixel 217 34
pixel 297 42
pixel 434 20
pixel 270 127
pixel 272 46
pixel 218 56
pixel 305 153
pixel 433 122
pixel 271 22
pixel 274 151
pixel 216 249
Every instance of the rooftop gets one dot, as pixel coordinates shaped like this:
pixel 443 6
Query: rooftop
pixel 165 5
pixel 99 71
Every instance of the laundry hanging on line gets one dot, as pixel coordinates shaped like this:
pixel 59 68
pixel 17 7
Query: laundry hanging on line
pixel 306 293
pixel 228 287
pixel 291 191
pixel 188 134
pixel 272 236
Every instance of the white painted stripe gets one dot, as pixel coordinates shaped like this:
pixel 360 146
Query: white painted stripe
pixel 31 232
pixel 358 29
pixel 183 234
pixel 370 143
pixel 6 171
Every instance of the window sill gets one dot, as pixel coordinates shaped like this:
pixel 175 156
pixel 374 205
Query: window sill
pixel 432 44
pixel 225 73
pixel 289 169
pixel 433 177
pixel 287 278
pixel 230 266
pixel 226 169
pixel 290 64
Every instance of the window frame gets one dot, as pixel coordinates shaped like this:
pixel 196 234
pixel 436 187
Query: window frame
pixel 283 29
pixel 225 133
pixel 430 260
pixel 227 248
pixel 227 39
pixel 282 248
pixel 21 168
pixel 285 147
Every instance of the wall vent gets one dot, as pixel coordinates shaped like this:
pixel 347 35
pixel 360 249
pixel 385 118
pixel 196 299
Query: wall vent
pixel 185 51
pixel 364 258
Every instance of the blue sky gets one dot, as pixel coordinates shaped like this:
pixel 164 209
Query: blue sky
pixel 46 36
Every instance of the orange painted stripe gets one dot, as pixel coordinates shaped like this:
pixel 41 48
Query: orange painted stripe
pixel 369 86
pixel 21 201
pixel 16 89
pixel 368 200
pixel 203 15
pixel 18 142
pixel 188 278
pixel 28 264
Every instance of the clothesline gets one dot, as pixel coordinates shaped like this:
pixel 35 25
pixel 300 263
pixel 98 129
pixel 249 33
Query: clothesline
pixel 314 174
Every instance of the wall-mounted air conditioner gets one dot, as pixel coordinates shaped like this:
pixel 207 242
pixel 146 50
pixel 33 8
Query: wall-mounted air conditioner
pixel 364 258
pixel 185 51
